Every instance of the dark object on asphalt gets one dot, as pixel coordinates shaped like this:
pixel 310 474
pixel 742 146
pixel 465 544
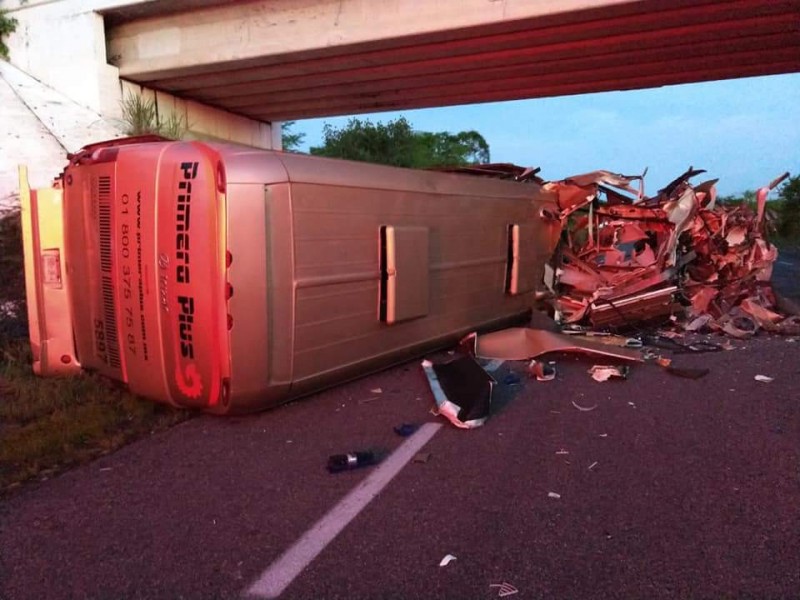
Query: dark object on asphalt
pixel 406 429
pixel 462 390
pixel 666 343
pixel 687 373
pixel 354 460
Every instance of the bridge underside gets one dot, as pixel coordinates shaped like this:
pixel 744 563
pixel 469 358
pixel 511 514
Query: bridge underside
pixel 280 60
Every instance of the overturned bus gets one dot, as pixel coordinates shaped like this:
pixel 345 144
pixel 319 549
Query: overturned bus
pixel 231 279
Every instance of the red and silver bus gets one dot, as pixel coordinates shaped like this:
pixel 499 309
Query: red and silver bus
pixel 232 279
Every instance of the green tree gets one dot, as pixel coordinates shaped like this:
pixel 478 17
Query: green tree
pixel 290 140
pixel 748 198
pixel 396 143
pixel 7 26
pixel 789 210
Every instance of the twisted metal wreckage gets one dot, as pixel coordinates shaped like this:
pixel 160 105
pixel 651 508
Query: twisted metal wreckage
pixel 630 258
pixel 626 262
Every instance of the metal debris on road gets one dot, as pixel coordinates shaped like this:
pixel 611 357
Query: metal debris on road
pixel 583 408
pixel 447 560
pixel 606 372
pixel 505 589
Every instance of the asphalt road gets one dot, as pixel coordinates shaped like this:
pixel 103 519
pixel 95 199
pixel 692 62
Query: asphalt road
pixel 694 493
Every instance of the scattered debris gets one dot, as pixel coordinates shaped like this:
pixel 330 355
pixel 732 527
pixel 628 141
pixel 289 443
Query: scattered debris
pixel 553 495
pixel 462 391
pixel 505 589
pixel 606 372
pixel 593 465
pixel 421 457
pixel 370 399
pixel 583 408
pixel 764 378
pixel 406 429
pixel 447 560
pixel 542 371
pixel 353 460
pixel 631 404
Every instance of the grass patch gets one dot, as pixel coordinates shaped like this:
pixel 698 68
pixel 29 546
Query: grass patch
pixel 141 117
pixel 49 424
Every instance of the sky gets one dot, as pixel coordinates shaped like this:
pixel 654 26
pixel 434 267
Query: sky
pixel 745 132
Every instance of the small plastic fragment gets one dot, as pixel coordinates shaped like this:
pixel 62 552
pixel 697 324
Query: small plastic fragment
pixel 553 495
pixel 764 378
pixel 376 391
pixel 447 560
pixel 593 465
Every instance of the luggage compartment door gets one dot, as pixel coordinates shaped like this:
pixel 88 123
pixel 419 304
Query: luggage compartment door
pixel 405 273
pixel 522 268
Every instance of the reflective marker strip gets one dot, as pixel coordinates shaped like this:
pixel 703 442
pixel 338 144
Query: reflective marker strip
pixel 283 571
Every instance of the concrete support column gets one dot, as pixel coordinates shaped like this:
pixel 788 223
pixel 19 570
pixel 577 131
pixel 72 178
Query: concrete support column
pixel 62 45
pixel 67 52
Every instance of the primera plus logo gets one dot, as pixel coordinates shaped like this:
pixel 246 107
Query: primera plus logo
pixel 188 379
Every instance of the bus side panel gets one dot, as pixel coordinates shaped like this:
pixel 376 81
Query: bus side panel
pixel 337 262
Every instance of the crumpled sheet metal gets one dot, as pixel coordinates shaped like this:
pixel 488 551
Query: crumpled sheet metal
pixel 523 343
pixel 626 258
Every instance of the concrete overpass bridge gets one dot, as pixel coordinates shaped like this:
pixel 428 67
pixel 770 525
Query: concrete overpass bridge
pixel 233 68
pixel 292 59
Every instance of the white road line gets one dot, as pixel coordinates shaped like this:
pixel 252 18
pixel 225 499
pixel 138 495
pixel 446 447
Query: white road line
pixel 283 571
